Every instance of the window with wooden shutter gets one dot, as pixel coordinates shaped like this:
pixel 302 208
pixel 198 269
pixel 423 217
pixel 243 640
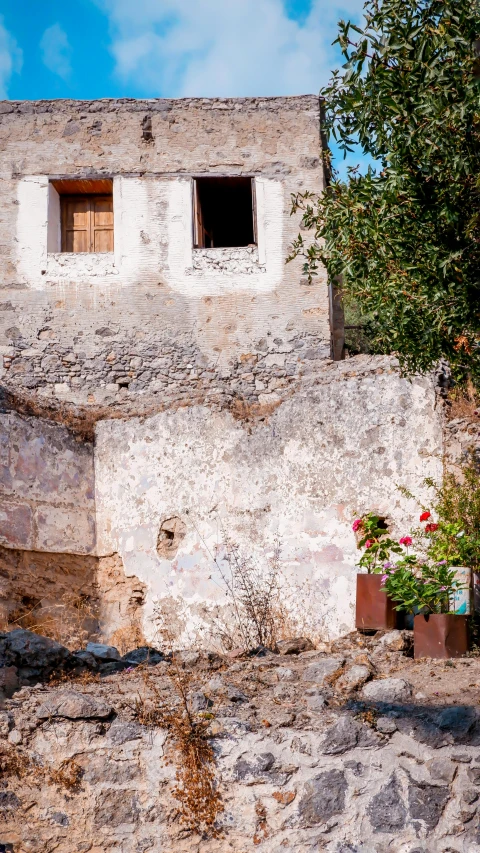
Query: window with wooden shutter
pixel 87 223
pixel 224 212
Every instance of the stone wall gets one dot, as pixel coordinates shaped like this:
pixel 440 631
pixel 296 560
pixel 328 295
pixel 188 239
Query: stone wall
pixel 156 320
pixel 301 764
pixel 338 447
pixel 47 495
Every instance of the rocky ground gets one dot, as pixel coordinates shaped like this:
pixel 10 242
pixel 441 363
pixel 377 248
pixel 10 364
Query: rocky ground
pixel 353 747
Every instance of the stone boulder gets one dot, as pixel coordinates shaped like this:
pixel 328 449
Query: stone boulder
pixel 323 797
pixel 322 668
pixel 144 654
pixel 294 646
pixel 34 656
pixel 74 706
pixel 102 652
pixel 388 690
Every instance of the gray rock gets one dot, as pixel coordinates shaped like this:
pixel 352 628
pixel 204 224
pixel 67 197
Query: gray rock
pixel 32 651
pixel 386 811
pixel 386 726
pixel 235 694
pixel 74 706
pixel 427 802
pixel 470 796
pixel 102 652
pixel 85 659
pixel 316 700
pixel 396 641
pixel 295 646
pixel 353 677
pixel 120 733
pixel 199 702
pixel 388 690
pixel 114 808
pixel 257 766
pixel 144 654
pixel 323 797
pixel 441 768
pixel 321 669
pixel 346 734
pixel 473 774
pixel 286 674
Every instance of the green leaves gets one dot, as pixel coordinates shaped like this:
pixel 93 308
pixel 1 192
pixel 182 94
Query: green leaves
pixel 405 238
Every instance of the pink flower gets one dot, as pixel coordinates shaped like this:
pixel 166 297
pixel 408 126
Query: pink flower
pixel 425 515
pixel 356 524
pixel 406 540
pixel 384 578
pixel 369 543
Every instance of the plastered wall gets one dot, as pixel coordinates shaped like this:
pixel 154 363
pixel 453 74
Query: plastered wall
pixel 338 447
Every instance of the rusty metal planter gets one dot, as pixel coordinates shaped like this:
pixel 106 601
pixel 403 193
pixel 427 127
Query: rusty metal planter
pixel 440 635
pixel 374 609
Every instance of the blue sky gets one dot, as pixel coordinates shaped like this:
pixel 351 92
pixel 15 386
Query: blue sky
pixel 167 48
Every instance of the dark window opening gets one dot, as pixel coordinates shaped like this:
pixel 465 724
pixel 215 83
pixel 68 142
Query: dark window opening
pixel 224 212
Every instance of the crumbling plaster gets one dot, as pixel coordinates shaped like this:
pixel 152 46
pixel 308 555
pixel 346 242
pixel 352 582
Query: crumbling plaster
pixel 336 448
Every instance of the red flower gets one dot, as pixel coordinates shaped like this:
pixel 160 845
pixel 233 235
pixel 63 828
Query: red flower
pixel 368 543
pixel 406 540
pixel 425 515
pixel 431 528
pixel 356 524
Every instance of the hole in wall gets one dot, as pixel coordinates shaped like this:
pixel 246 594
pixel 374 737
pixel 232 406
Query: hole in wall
pixel 171 533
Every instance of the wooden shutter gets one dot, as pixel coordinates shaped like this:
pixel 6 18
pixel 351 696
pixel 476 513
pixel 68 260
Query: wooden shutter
pixel 87 223
pixel 75 224
pixel 101 223
pixel 198 229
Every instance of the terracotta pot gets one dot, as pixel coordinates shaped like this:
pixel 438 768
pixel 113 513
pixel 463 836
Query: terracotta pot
pixel 374 609
pixel 440 635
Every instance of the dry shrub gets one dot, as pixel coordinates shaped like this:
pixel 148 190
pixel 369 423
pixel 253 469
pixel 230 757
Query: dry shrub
pixel 127 637
pixel 68 775
pixel 253 592
pixel 15 762
pixel 196 789
pixel 71 621
pixel 463 401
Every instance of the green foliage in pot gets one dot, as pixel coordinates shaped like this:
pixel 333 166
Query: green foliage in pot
pixel 375 540
pixel 403 240
pixel 421 587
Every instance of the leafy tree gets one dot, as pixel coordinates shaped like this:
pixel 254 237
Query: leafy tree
pixel 404 238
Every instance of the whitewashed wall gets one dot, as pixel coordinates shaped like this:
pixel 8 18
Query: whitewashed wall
pixel 332 451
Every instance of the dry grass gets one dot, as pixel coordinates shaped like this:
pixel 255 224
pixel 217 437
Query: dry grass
pixel 196 789
pixel 463 402
pixel 68 775
pixel 70 621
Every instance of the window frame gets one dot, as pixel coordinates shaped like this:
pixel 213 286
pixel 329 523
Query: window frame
pixel 196 209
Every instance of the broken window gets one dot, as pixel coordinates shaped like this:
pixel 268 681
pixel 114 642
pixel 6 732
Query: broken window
pixel 80 216
pixel 224 212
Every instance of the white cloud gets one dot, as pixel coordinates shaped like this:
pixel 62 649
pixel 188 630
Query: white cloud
pixel 10 58
pixel 56 51
pixel 224 47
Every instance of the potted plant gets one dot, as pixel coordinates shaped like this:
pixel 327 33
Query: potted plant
pixel 429 590
pixel 374 611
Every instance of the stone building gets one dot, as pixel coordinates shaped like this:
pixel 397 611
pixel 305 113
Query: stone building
pixel 169 382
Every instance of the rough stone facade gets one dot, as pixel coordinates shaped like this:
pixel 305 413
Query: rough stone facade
pixel 157 317
pixel 194 387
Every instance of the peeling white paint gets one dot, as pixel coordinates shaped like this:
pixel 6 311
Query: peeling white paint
pixel 324 456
